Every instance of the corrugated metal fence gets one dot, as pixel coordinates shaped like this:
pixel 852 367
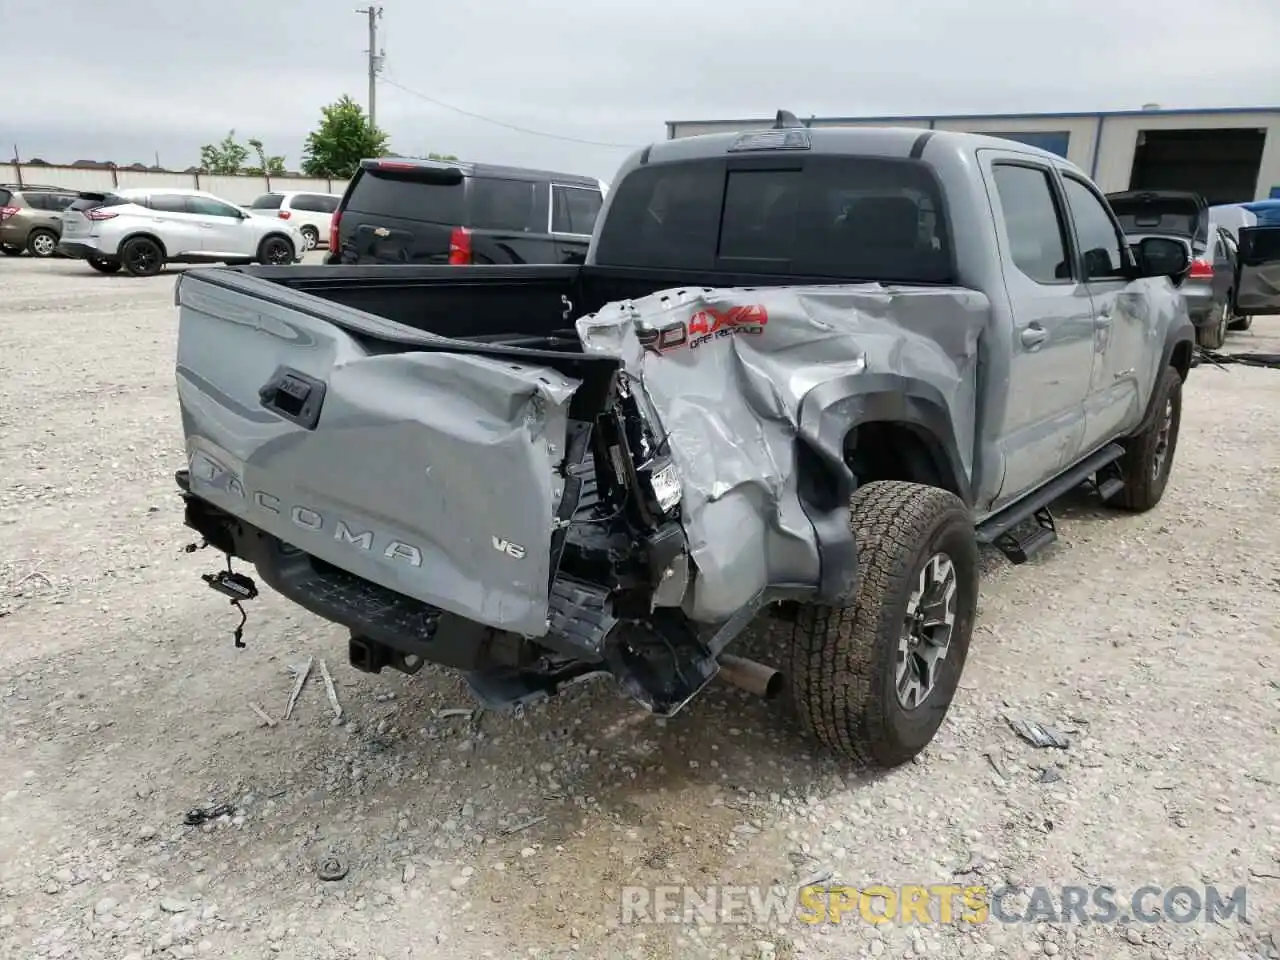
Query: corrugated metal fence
pixel 236 189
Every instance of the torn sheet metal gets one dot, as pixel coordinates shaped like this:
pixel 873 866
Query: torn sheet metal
pixel 726 372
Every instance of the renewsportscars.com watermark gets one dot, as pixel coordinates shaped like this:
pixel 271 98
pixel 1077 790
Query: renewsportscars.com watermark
pixel 942 903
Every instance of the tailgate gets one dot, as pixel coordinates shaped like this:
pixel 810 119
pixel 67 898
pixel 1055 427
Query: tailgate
pixel 430 473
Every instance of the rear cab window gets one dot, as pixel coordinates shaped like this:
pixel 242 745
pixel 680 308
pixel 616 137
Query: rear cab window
pixel 382 194
pixel 865 218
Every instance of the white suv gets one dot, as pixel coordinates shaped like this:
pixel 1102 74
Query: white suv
pixel 310 212
pixel 142 229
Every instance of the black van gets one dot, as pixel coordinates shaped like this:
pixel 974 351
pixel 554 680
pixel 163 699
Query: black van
pixel 400 210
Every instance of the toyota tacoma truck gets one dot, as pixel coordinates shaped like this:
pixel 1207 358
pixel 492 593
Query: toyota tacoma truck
pixel 802 373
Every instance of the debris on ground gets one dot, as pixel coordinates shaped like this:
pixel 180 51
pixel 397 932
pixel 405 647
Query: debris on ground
pixel 201 815
pixel 265 717
pixel 1039 735
pixel 300 678
pixel 331 869
pixel 330 691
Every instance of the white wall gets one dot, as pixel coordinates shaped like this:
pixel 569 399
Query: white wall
pixel 235 189
pixel 1120 140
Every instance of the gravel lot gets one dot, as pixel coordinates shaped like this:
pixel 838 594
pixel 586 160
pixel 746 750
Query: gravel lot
pixel 1152 641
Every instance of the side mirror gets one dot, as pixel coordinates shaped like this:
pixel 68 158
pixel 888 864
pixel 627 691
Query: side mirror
pixel 1162 257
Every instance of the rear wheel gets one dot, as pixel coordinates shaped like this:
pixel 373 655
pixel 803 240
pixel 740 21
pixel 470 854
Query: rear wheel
pixel 276 251
pixel 42 243
pixel 873 680
pixel 142 257
pixel 9 250
pixel 1238 323
pixel 1214 333
pixel 1148 456
pixel 310 237
pixel 104 266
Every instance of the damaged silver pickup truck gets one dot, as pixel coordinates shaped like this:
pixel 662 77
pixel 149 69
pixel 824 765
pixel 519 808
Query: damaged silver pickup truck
pixel 803 373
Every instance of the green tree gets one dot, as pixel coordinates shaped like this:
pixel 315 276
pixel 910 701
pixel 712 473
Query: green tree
pixel 449 157
pixel 271 166
pixel 225 158
pixel 344 138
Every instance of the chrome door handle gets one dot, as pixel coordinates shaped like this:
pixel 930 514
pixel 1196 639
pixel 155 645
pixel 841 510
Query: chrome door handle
pixel 1034 336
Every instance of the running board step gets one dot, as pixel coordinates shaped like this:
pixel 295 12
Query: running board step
pixel 1110 488
pixel 996 526
pixel 1021 548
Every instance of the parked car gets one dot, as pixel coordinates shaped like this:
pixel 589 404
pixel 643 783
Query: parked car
pixel 802 370
pixel 1187 218
pixel 310 212
pixel 31 218
pixel 141 229
pixel 427 211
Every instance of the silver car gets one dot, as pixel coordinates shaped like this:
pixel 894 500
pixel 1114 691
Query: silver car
pixel 1186 217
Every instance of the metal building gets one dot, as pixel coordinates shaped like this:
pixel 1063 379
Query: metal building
pixel 1230 155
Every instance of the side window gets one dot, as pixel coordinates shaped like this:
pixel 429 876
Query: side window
pixel 329 204
pixel 268 201
pixel 206 207
pixel 574 209
pixel 498 204
pixel 1099 240
pixel 168 203
pixel 5 196
pixel 306 203
pixel 1033 222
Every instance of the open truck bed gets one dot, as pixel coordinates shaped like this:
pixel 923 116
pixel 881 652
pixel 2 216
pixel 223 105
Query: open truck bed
pixel 466 465
pixel 447 506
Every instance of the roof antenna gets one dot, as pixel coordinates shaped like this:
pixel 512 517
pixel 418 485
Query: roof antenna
pixel 786 119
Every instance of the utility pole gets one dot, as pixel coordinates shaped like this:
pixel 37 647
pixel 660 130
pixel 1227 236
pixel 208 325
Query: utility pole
pixel 375 59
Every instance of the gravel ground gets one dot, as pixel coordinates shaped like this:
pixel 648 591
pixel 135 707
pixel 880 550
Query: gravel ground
pixel 1152 642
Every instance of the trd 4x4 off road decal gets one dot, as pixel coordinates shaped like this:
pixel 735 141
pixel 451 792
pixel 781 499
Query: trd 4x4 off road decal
pixel 703 326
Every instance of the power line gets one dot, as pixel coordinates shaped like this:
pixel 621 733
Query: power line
pixel 503 123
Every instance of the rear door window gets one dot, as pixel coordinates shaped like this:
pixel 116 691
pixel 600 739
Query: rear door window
pixel 501 204
pixel 5 196
pixel 406 199
pixel 574 209
pixel 169 203
pixel 844 217
pixel 313 203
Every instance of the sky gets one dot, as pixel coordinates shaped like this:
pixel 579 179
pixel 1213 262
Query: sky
pixel 131 80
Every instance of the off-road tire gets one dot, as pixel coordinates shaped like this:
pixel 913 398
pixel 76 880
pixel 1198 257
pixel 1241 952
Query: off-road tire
pixel 104 266
pixel 1214 334
pixel 42 243
pixel 843 660
pixel 1144 484
pixel 142 257
pixel 312 237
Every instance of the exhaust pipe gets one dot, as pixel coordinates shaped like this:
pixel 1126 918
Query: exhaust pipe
pixel 748 675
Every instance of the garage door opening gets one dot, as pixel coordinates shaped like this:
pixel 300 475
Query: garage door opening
pixel 1222 165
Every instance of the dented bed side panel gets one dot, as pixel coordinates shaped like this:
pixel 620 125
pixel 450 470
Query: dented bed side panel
pixel 736 375
pixel 429 473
